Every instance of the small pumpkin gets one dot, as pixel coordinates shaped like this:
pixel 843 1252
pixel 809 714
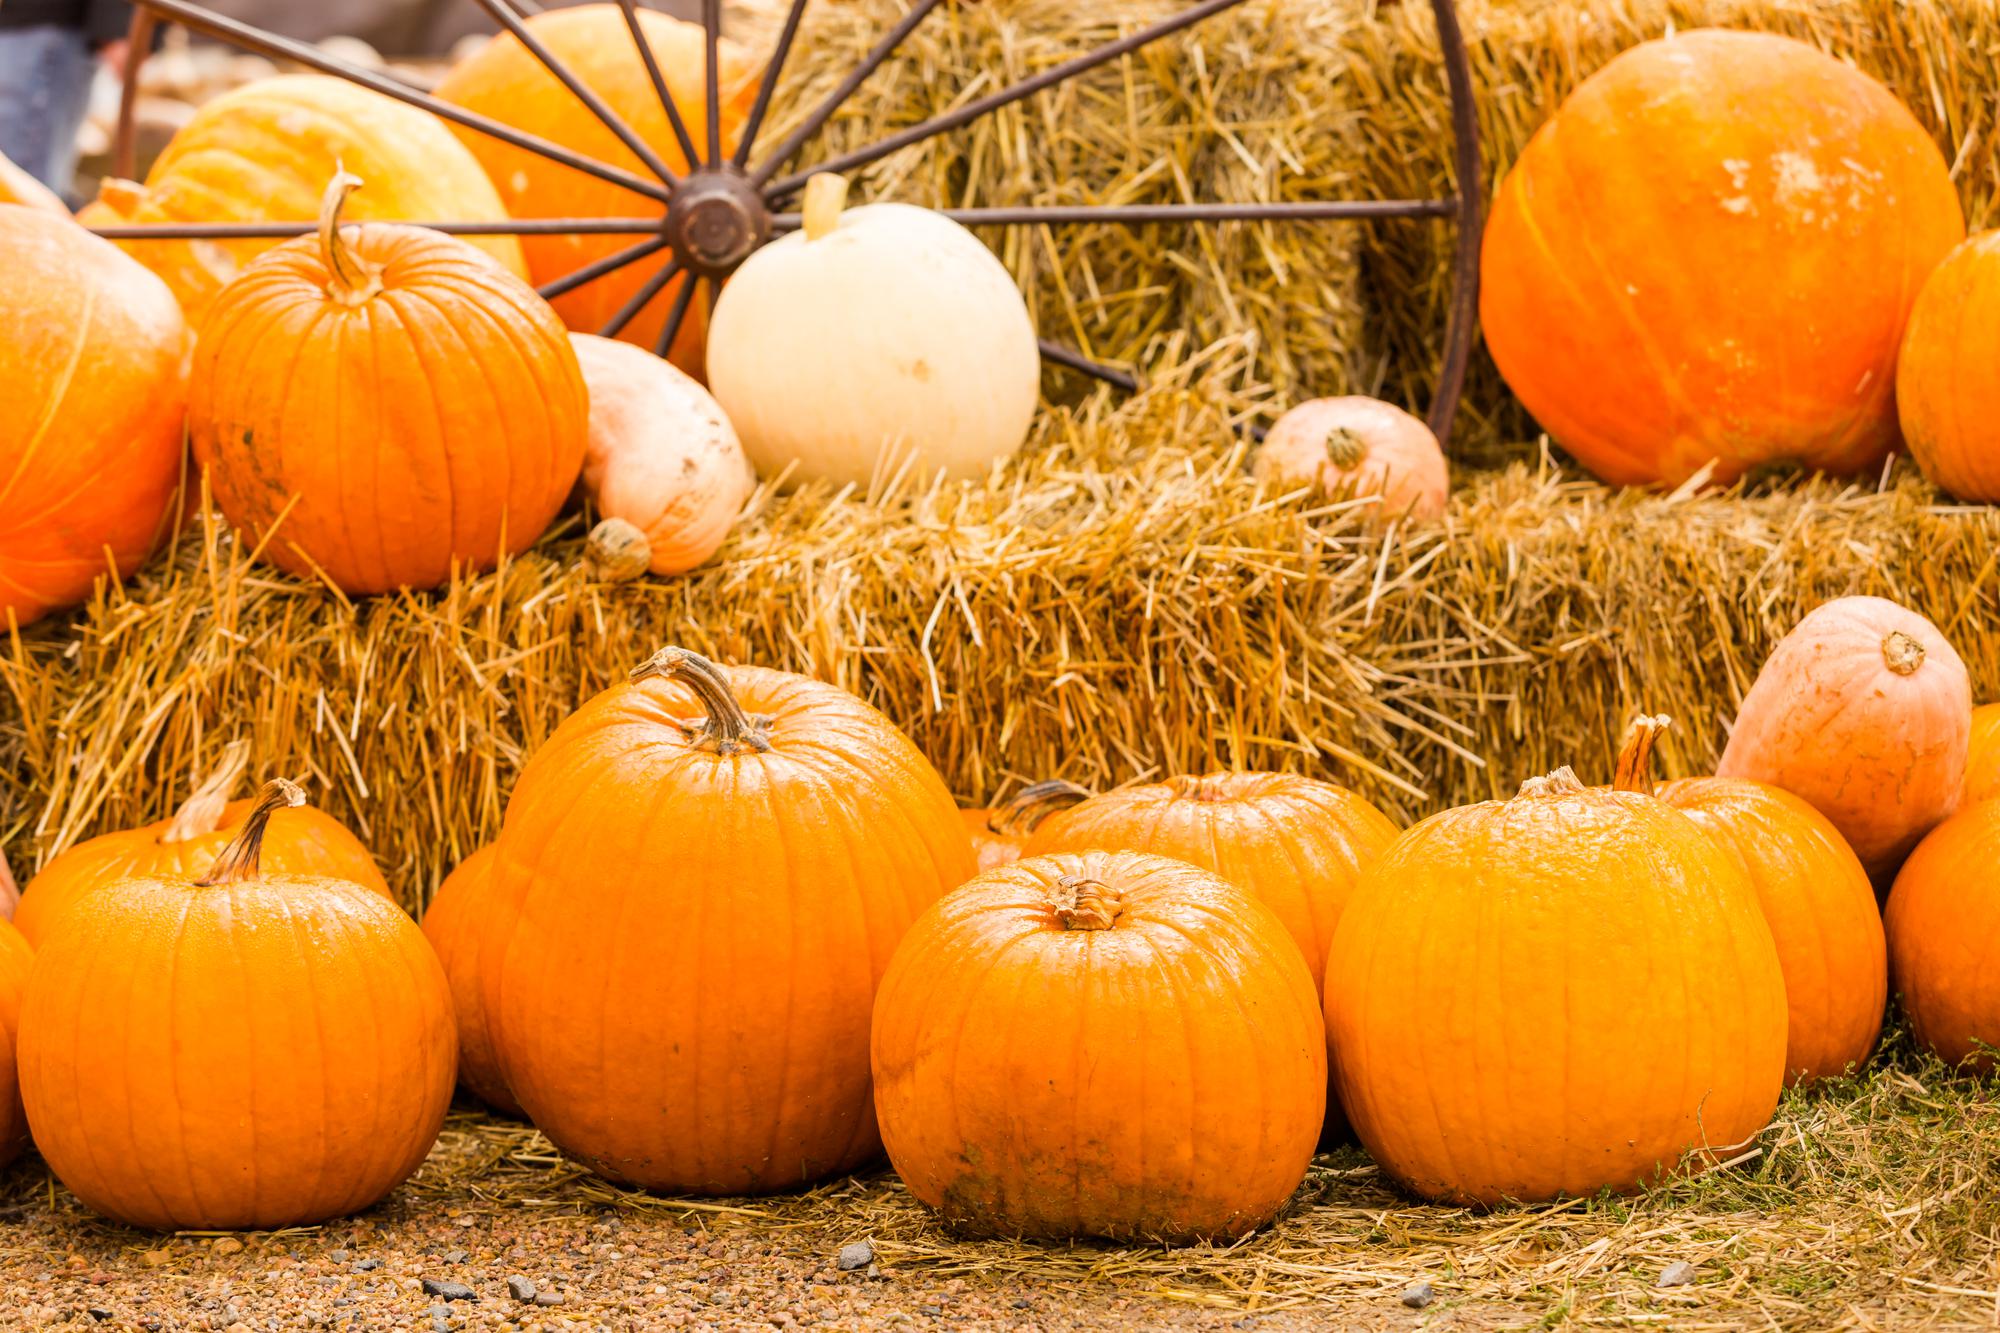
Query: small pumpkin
pixel 1943 920
pixel 15 958
pixel 284 1045
pixel 1570 991
pixel 1100 1044
pixel 1865 711
pixel 90 439
pixel 661 455
pixel 1947 417
pixel 302 841
pixel 452 923
pixel 704 1030
pixel 18 187
pixel 1001 832
pixel 871 339
pixel 1358 446
pixel 383 406
pixel 1982 756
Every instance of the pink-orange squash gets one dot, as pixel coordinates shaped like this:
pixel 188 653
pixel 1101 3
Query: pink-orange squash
pixel 1360 447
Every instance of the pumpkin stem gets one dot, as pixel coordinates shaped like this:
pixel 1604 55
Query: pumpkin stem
pixel 1635 753
pixel 727 728
pixel 201 814
pixel 238 861
pixel 1562 782
pixel 826 195
pixel 1034 803
pixel 1901 653
pixel 1085 904
pixel 351 279
pixel 1346 449
pixel 1190 788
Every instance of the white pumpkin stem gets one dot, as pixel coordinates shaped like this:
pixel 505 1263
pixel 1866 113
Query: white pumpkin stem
pixel 350 278
pixel 1034 803
pixel 201 814
pixel 1085 904
pixel 826 196
pixel 1901 653
pixel 1345 449
pixel 1635 753
pixel 727 728
pixel 239 860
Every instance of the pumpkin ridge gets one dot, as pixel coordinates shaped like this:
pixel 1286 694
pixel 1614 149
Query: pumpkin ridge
pixel 65 378
pixel 457 524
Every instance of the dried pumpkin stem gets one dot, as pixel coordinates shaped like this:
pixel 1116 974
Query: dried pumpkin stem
pixel 1901 653
pixel 201 814
pixel 1085 904
pixel 1562 782
pixel 239 859
pixel 1635 753
pixel 351 279
pixel 1345 449
pixel 727 728
pixel 1034 803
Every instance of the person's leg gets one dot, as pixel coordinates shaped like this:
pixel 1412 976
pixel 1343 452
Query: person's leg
pixel 45 75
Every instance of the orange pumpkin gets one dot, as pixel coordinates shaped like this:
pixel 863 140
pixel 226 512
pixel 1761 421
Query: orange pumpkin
pixel 700 880
pixel 452 923
pixel 1569 991
pixel 1982 756
pixel 1943 920
pixel 264 153
pixel 94 360
pixel 15 957
pixel 1105 1044
pixel 10 895
pixel 283 1055
pixel 999 834
pixel 305 841
pixel 18 187
pixel 1948 420
pixel 1866 712
pixel 1707 256
pixel 385 406
pixel 1358 447
pixel 506 82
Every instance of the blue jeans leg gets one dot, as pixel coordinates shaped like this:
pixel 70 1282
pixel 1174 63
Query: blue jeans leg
pixel 45 74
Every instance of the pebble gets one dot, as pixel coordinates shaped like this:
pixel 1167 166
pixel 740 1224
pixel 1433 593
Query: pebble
pixel 1418 1294
pixel 1679 1273
pixel 336 1256
pixel 226 1245
pixel 455 1257
pixel 155 1258
pixel 99 1315
pixel 366 1265
pixel 858 1255
pixel 449 1291
pixel 520 1288
pixel 548 1298
pixel 439 1312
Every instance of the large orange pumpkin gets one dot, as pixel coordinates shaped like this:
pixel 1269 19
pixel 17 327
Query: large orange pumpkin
pixel 452 924
pixel 1943 920
pixel 385 405
pixel 1105 1044
pixel 506 82
pixel 93 357
pixel 15 957
pixel 1951 422
pixel 264 153
pixel 1982 756
pixel 701 878
pixel 1565 992
pixel 1865 711
pixel 305 841
pixel 1000 833
pixel 283 1046
pixel 1708 254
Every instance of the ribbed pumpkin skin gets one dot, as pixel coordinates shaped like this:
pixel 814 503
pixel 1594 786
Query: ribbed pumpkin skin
pixel 1943 920
pixel 284 1052
pixel 1821 909
pixel 1951 419
pixel 1556 994
pixel 440 421
pixel 1982 756
pixel 1709 253
pixel 264 153
pixel 452 923
pixel 507 83
pixel 304 841
pixel 682 947
pixel 94 360
pixel 1840 716
pixel 1162 1079
pixel 15 958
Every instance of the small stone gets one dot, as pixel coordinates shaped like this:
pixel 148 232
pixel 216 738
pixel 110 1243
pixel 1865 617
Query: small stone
pixel 1679 1273
pixel 874 1271
pixel 99 1315
pixel 1024 1304
pixel 548 1298
pixel 520 1288
pixel 1418 1294
pixel 858 1255
pixel 336 1256
pixel 931 1311
pixel 440 1324
pixel 156 1258
pixel 449 1291
pixel 226 1245
pixel 439 1312
pixel 366 1265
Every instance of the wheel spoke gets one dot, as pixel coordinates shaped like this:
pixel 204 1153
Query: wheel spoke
pixel 284 48
pixel 630 9
pixel 838 97
pixel 125 142
pixel 972 111
pixel 675 318
pixel 611 263
pixel 503 12
pixel 1140 214
pixel 711 31
pixel 1464 316
pixel 255 231
pixel 1082 364
pixel 640 299
pixel 769 83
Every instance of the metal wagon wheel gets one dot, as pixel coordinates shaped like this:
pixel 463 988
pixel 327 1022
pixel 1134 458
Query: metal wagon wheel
pixel 717 213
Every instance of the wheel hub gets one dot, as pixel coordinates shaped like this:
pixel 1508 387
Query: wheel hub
pixel 716 220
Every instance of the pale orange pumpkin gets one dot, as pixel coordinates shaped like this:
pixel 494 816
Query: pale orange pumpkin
pixel 1982 756
pixel 18 187
pixel 1000 833
pixel 15 959
pixel 1358 446
pixel 452 924
pixel 1865 711
pixel 1943 920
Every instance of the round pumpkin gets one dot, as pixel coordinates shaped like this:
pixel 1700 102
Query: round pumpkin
pixel 1569 991
pixel 1982 756
pixel 1000 833
pixel 1707 257
pixel 1104 1044
pixel 1943 920
pixel 1949 422
pixel 15 958
pixel 302 841
pixel 283 1051
pixel 1353 447
pixel 505 81
pixel 385 405
pixel 452 924
pixel 94 360
pixel 700 881
pixel 264 153
pixel 1865 711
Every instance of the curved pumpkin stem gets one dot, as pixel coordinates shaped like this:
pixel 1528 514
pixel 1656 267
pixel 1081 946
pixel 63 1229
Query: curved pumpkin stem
pixel 1345 449
pixel 727 727
pixel 1085 904
pixel 238 861
pixel 1901 653
pixel 1635 753
pixel 201 814
pixel 350 278
pixel 1034 803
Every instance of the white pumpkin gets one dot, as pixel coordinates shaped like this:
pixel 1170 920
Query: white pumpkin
pixel 874 335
